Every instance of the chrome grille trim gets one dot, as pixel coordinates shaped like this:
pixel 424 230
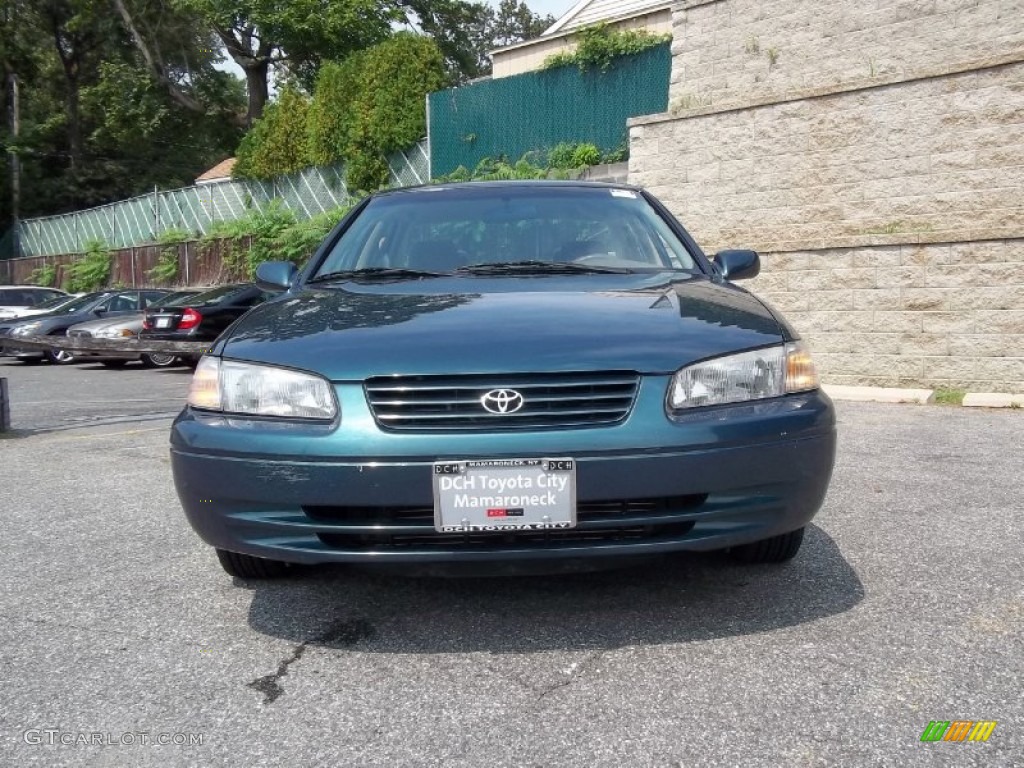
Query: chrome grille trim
pixel 550 400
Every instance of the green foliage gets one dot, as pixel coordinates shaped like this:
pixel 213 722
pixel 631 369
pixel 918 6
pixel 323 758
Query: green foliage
pixel 44 275
pixel 949 396
pixel 618 155
pixel 371 105
pixel 568 156
pixel 598 45
pixel 92 270
pixel 174 235
pixel 273 234
pixel 166 268
pixel 500 169
pixel 276 145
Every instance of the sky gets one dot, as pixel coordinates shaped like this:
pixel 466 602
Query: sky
pixel 543 7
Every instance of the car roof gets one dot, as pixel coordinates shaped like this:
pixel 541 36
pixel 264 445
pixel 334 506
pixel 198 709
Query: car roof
pixel 518 184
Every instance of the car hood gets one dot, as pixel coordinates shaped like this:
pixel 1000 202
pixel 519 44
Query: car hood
pixel 123 321
pixel 475 325
pixel 16 313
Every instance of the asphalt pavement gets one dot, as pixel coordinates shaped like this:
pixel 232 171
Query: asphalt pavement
pixel 119 631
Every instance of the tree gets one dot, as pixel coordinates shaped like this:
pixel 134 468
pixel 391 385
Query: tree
pixel 293 35
pixel 468 31
pixel 95 127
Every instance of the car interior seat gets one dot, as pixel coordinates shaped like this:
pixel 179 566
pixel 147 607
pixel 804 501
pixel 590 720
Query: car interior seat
pixel 437 256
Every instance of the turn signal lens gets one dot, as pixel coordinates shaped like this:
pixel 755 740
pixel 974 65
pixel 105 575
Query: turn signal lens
pixel 204 391
pixel 801 375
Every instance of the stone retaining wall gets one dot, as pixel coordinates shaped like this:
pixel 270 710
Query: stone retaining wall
pixel 875 158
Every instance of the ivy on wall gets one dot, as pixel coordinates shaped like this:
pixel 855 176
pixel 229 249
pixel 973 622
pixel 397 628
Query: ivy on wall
pixel 598 45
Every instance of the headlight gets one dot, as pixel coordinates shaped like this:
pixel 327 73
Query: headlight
pixel 259 390
pixel 27 329
pixel 755 375
pixel 114 333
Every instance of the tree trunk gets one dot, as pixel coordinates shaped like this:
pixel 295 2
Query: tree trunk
pixel 74 122
pixel 256 77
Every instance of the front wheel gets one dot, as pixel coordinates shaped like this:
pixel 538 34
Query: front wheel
pixel 777 549
pixel 158 361
pixel 249 567
pixel 59 356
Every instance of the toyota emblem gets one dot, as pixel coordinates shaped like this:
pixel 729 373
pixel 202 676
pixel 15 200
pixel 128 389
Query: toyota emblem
pixel 502 401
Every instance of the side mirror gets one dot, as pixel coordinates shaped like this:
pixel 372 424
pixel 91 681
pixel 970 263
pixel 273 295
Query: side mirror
pixel 738 264
pixel 276 275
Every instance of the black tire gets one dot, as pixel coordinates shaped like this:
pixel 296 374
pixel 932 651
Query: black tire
pixel 113 363
pixel 777 549
pixel 59 356
pixel 158 361
pixel 249 567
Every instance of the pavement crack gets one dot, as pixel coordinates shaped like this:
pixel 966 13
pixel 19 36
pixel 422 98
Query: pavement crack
pixel 268 685
pixel 345 633
pixel 583 667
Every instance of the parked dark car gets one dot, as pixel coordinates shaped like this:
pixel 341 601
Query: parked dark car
pixel 504 372
pixel 101 304
pixel 205 315
pixel 128 327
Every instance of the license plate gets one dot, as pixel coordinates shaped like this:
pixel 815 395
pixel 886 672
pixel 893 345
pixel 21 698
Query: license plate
pixel 163 322
pixel 504 495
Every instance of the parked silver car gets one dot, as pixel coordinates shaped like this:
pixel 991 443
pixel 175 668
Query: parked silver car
pixel 126 327
pixel 23 300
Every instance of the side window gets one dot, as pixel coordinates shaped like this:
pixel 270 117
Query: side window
pixel 150 297
pixel 124 302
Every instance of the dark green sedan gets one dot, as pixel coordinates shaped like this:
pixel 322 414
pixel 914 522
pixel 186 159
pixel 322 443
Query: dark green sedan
pixel 498 372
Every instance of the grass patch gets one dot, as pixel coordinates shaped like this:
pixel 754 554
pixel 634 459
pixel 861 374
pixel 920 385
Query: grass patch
pixel 949 396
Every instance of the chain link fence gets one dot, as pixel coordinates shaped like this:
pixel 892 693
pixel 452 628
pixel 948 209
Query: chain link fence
pixel 535 111
pixel 196 209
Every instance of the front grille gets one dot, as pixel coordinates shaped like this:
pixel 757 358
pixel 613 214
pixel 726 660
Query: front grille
pixel 79 332
pixel 394 529
pixel 444 403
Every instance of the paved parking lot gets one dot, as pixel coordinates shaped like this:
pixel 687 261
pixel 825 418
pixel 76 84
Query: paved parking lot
pixel 905 605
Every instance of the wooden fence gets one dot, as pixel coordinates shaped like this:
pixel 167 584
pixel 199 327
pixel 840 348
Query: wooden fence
pixel 199 264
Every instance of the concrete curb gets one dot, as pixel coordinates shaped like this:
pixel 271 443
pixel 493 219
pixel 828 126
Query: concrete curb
pixel 879 394
pixel 993 400
pixel 919 396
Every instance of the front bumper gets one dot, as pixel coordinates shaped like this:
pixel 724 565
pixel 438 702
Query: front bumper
pixel 312 494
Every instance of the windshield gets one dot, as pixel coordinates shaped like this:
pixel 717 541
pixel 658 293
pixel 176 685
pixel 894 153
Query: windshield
pixel 446 229
pixel 80 303
pixel 222 295
pixel 55 302
pixel 178 299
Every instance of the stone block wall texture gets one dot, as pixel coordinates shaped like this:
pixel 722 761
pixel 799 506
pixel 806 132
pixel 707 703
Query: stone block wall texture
pixel 875 158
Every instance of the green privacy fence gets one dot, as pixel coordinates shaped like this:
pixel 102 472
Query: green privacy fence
pixel 537 110
pixel 195 209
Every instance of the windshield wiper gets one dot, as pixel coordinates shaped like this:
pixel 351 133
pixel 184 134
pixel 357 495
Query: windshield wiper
pixel 533 267
pixel 373 273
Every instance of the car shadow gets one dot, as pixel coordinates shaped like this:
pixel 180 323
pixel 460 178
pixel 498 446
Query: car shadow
pixel 676 599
